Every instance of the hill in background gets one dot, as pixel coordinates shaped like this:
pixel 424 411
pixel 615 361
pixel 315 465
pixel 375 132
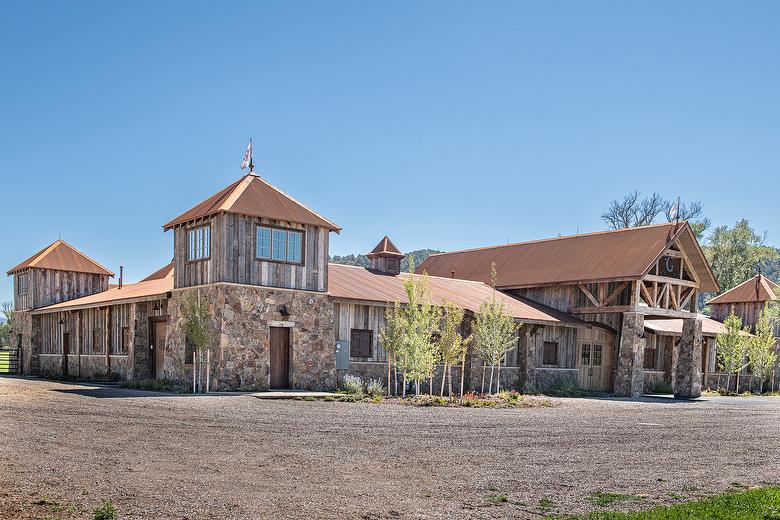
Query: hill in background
pixel 362 260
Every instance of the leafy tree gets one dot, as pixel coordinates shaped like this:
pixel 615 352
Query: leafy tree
pixel 358 260
pixel 197 323
pixel 452 346
pixel 416 257
pixel 421 322
pixel 732 348
pixel 495 332
pixel 634 210
pixel 761 350
pixel 5 328
pixel 392 337
pixel 734 253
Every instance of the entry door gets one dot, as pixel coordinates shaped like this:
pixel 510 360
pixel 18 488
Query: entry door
pixel 592 370
pixel 280 357
pixel 65 352
pixel 158 350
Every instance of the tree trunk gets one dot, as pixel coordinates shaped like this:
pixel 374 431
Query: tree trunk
pixel 490 385
pixel 404 387
pixel 395 370
pixel 728 382
pixel 498 380
pixel 449 382
pixel 430 382
pixel 417 388
pixel 484 368
pixel 388 373
pixel 443 377
pixel 737 387
pixel 462 374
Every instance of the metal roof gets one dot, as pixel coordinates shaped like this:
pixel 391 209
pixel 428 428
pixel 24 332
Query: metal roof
pixel 62 256
pixel 756 289
pixel 359 283
pixel 608 255
pixel 385 247
pixel 252 196
pixel 673 327
pixel 152 287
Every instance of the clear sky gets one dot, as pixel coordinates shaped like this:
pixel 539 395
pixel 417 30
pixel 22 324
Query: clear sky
pixel 443 124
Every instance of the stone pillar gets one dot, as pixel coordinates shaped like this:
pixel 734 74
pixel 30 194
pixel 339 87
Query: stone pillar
pixel 630 375
pixel 688 381
pixel 526 358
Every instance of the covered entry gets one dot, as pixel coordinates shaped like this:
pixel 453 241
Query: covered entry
pixel 595 348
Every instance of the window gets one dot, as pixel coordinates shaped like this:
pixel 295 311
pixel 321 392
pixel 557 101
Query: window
pixel 125 346
pixel 280 245
pixel 199 243
pixel 21 288
pixel 360 343
pixel 550 355
pixel 97 341
pixel 596 361
pixel 392 264
pixel 585 355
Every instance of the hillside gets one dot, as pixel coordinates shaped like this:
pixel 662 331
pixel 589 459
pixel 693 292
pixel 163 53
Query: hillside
pixel 362 260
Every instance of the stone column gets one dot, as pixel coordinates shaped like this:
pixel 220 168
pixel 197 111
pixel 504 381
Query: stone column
pixel 526 358
pixel 688 381
pixel 630 375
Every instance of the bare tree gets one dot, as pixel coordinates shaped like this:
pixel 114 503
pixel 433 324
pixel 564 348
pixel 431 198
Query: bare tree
pixel 691 212
pixel 5 309
pixel 633 210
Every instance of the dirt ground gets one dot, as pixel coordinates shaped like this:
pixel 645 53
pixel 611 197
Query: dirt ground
pixel 64 448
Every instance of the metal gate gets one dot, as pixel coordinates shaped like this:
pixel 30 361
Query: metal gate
pixel 9 360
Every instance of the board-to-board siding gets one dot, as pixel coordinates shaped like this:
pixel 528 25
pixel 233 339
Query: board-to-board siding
pixel 350 316
pixel 233 256
pixel 84 327
pixel 49 286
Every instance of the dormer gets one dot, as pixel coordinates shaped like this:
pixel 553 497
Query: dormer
pixel 56 273
pixel 385 257
pixel 251 233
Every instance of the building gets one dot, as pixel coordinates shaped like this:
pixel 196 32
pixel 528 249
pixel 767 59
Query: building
pixel 613 310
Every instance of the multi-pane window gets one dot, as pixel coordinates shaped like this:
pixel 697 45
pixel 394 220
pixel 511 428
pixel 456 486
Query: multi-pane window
pixel 392 264
pixel 199 243
pixel 22 284
pixel 596 361
pixel 360 343
pixel 585 355
pixel 280 245
pixel 550 353
pixel 591 355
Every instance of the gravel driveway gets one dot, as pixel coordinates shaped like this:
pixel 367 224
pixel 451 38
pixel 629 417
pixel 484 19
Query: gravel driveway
pixel 64 448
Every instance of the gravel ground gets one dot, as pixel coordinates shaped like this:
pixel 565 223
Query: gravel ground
pixel 64 448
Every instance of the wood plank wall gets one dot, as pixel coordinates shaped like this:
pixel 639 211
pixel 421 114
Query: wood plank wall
pixel 350 316
pixel 81 324
pixel 233 256
pixel 566 297
pixel 49 286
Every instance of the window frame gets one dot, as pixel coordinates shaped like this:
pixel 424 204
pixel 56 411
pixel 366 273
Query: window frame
pixel 124 341
pixel 22 283
pixel 352 333
pixel 392 264
pixel 544 353
pixel 194 229
pixel 287 231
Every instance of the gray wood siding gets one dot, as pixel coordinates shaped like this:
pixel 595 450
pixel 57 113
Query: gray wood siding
pixel 81 324
pixel 233 256
pixel 48 286
pixel 566 297
pixel 350 316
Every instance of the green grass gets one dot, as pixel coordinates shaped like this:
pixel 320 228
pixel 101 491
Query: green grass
pixel 754 504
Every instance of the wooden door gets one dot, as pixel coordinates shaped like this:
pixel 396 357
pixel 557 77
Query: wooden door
pixel 158 350
pixel 65 352
pixel 594 360
pixel 280 357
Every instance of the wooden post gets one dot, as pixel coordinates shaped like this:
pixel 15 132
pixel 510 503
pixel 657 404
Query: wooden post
pixel 194 371
pixel 208 369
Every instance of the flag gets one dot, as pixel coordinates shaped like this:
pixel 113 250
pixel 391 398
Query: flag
pixel 674 211
pixel 247 156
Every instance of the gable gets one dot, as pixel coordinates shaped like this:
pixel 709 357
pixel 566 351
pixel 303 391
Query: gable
pixel 61 256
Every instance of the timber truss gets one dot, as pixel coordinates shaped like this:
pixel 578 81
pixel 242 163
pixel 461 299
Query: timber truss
pixel 669 288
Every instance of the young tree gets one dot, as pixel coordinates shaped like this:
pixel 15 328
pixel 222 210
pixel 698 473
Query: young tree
pixel 761 350
pixel 5 328
pixel 421 321
pixel 197 323
pixel 495 332
pixel 734 253
pixel 731 348
pixel 452 345
pixel 392 337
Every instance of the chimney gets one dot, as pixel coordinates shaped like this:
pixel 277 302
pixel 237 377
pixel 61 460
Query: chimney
pixel 452 274
pixel 121 275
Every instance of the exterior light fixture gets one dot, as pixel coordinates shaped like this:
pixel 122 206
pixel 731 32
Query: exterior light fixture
pixel 284 311
pixel 62 321
pixel 156 306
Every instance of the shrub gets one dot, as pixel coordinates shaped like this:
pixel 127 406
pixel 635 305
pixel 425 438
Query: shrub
pixel 353 384
pixel 329 399
pixel 375 387
pixel 569 387
pixel 105 511
pixel 663 387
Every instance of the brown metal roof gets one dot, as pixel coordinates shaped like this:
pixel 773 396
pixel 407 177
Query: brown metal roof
pixel 756 289
pixel 673 327
pixel 62 256
pixel 157 284
pixel 164 272
pixel 252 196
pixel 358 283
pixel 609 255
pixel 385 247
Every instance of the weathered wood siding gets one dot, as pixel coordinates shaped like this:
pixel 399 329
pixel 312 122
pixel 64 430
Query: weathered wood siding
pixel 49 286
pixel 233 256
pixel 350 316
pixel 84 327
pixel 567 297
pixel 749 312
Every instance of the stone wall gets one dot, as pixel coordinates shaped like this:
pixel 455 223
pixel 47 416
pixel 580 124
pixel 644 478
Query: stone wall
pixel 653 378
pixel 242 317
pixel 547 378
pixel 629 376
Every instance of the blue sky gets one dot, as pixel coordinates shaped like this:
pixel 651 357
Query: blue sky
pixel 443 124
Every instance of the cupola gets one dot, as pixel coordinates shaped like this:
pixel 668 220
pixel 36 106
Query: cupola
pixel 385 257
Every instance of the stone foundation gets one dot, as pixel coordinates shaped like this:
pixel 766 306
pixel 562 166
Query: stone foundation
pixel 652 379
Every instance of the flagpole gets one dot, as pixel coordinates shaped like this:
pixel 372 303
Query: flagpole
pixel 251 152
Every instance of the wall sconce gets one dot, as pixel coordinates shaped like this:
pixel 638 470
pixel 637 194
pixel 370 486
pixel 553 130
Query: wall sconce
pixel 157 306
pixel 62 321
pixel 284 311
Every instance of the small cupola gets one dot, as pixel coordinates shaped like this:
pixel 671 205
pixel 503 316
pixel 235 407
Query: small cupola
pixel 385 257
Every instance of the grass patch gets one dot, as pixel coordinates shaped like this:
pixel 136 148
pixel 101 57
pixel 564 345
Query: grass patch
pixel 105 511
pixel 754 504
pixel 498 500
pixel 604 499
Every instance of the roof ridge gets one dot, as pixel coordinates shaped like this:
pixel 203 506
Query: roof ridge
pixel 552 239
pixel 236 192
pixel 304 206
